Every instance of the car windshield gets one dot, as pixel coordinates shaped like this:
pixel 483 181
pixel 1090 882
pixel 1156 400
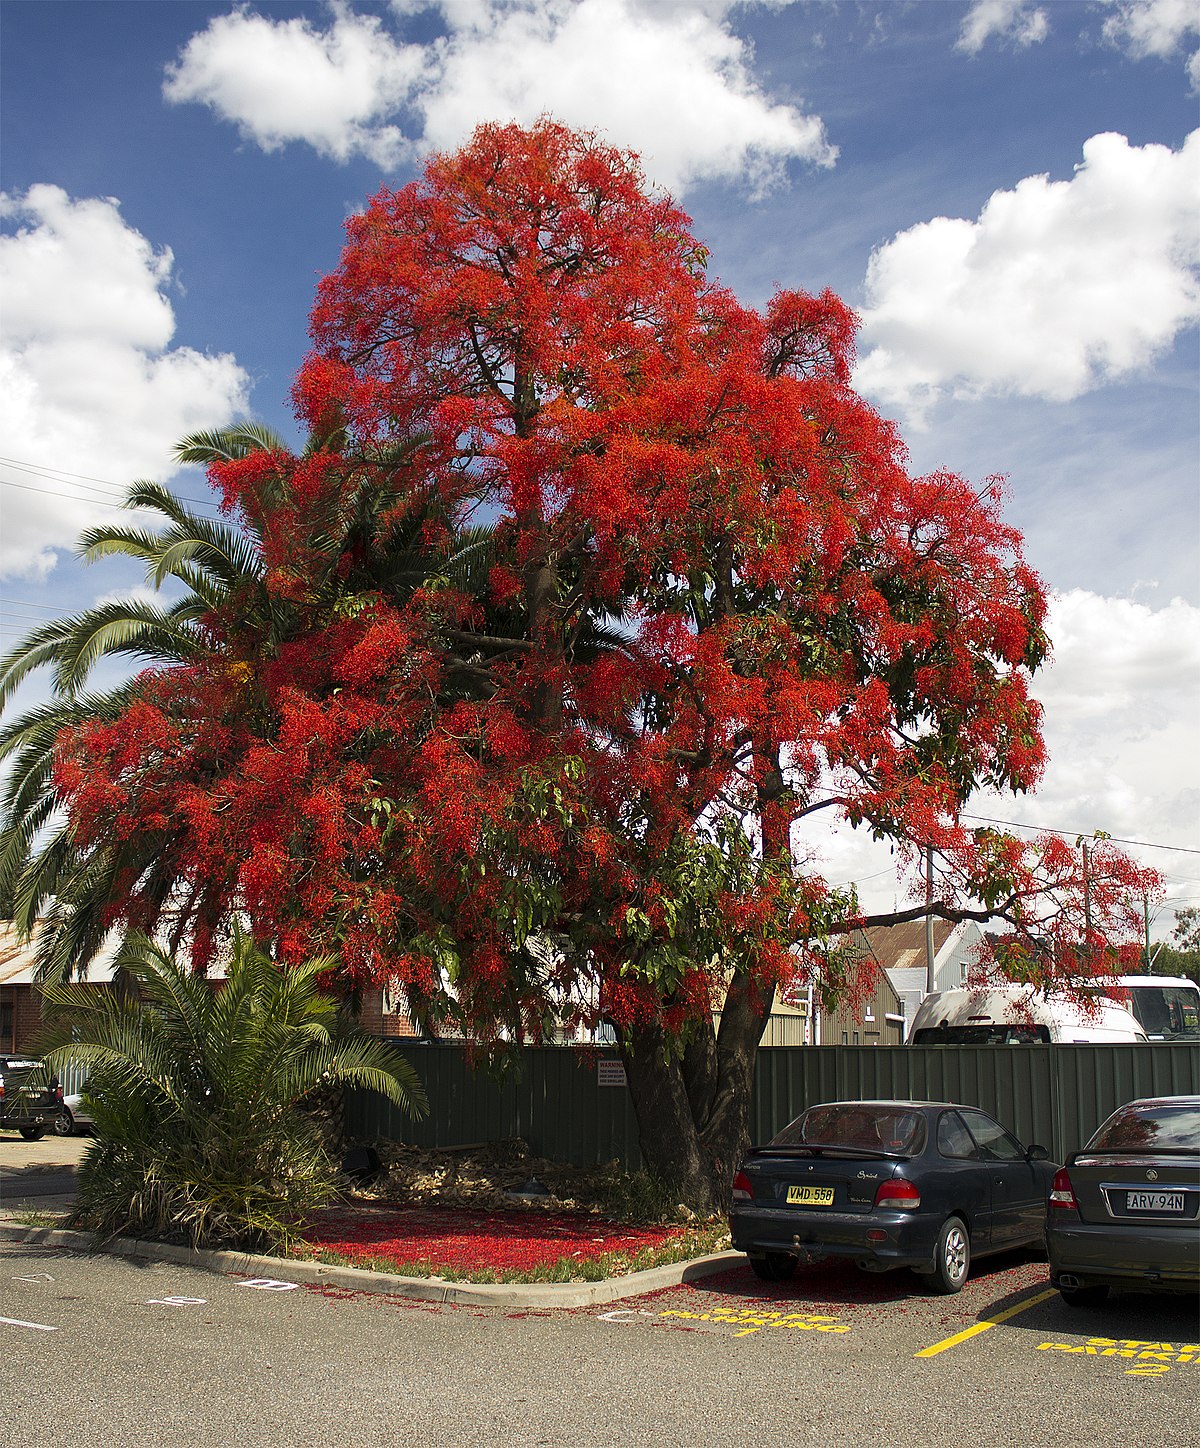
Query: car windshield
pixel 1150 1128
pixel 859 1126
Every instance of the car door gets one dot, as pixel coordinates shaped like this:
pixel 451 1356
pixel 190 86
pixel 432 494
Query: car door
pixel 969 1176
pixel 1018 1200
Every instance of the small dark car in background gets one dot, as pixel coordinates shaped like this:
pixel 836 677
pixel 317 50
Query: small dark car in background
pixel 30 1097
pixel 921 1184
pixel 1125 1211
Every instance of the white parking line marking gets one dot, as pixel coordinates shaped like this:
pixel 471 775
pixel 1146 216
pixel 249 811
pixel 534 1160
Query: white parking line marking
pixel 40 1326
pixel 40 1277
pixel 269 1284
pixel 176 1301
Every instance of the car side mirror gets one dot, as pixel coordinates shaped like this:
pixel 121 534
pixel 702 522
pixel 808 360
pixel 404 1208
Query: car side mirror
pixel 1037 1153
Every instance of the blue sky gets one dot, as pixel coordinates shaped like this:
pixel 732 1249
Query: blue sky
pixel 1005 190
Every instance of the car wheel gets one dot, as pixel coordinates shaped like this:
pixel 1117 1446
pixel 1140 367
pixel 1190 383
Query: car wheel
pixel 64 1123
pixel 951 1258
pixel 1084 1296
pixel 34 1133
pixel 774 1267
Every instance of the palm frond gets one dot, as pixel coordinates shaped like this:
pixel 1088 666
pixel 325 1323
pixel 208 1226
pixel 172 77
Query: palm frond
pixel 224 444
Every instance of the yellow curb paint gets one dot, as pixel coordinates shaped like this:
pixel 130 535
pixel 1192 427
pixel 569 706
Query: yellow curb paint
pixel 983 1326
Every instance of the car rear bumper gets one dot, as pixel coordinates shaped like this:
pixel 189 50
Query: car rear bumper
pixel 813 1236
pixel 1111 1254
pixel 31 1115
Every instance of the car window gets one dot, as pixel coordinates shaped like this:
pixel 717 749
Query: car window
pixel 994 1142
pixel 862 1126
pixel 953 1138
pixel 1148 1127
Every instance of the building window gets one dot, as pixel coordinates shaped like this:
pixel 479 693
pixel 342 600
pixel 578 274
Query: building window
pixel 856 1038
pixel 845 1039
pixel 870 1014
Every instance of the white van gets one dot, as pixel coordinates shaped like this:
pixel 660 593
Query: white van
pixel 1016 1015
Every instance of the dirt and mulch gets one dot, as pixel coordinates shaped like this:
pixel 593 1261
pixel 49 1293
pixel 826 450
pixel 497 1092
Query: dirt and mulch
pixel 496 1213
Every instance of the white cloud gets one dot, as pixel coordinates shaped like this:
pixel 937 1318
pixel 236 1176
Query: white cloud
pixel 89 383
pixel 285 80
pixel 1152 27
pixel 1122 727
pixel 668 78
pixel 1016 20
pixel 1058 287
pixel 1122 722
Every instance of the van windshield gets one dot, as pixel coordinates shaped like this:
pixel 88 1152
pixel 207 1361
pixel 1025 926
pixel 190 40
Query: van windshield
pixel 1166 1012
pixel 993 1033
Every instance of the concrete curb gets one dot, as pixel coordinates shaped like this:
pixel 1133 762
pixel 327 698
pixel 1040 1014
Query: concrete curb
pixel 357 1279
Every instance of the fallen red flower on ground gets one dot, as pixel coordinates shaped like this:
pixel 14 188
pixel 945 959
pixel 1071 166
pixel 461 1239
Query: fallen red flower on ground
pixel 467 1242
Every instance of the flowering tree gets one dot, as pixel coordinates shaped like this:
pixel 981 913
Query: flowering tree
pixel 561 784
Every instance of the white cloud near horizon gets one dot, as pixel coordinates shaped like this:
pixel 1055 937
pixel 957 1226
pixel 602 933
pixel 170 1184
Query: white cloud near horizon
pixel 667 78
pixel 1019 21
pixel 89 381
pixel 1122 722
pixel 1122 727
pixel 1057 288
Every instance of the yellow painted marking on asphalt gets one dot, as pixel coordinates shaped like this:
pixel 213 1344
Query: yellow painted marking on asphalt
pixel 1154 1358
pixel 984 1325
pixel 750 1320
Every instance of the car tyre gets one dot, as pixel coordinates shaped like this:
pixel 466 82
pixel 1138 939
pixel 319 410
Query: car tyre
pixel 1084 1296
pixel 34 1133
pixel 951 1258
pixel 774 1267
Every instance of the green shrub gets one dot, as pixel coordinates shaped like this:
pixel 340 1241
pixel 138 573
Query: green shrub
pixel 194 1090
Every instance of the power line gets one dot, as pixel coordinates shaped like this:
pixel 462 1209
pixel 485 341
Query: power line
pixel 29 603
pixel 85 480
pixel 1075 834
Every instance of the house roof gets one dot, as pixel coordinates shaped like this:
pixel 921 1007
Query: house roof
pixel 900 947
pixel 18 959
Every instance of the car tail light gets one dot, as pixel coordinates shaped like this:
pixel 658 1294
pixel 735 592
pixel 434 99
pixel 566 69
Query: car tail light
pixel 1062 1194
pixel 898 1195
pixel 742 1190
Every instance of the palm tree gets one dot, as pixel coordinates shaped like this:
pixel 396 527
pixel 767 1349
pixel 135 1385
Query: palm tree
pixel 65 891
pixel 194 1090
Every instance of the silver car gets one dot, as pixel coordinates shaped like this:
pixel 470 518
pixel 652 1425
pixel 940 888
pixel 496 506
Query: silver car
pixel 73 1118
pixel 1125 1211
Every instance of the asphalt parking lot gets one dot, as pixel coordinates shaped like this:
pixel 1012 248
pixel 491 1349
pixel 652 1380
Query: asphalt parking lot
pixel 103 1350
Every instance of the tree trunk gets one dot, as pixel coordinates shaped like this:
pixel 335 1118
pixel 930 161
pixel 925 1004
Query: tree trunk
pixel 693 1109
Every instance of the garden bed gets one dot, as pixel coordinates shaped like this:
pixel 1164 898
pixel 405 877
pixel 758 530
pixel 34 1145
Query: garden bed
pixel 461 1213
pixel 530 1245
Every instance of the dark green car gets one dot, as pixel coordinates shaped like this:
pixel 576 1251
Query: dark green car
pixel 30 1097
pixel 1125 1211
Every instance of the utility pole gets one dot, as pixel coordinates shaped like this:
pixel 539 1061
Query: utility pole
pixel 1087 898
pixel 1146 918
pixel 930 982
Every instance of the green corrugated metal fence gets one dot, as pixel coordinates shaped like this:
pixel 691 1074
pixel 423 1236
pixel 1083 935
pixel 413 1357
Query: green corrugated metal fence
pixel 559 1103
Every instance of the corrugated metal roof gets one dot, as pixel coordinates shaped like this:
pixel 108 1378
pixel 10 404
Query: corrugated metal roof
pixel 889 943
